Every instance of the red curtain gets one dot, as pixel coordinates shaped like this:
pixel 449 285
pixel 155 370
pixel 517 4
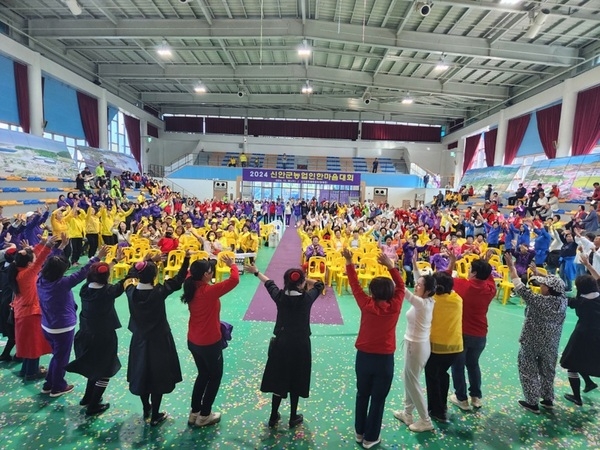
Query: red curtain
pixel 303 129
pixel 132 127
pixel 216 125
pixel 471 145
pixel 514 137
pixel 88 110
pixel 548 121
pixel 412 133
pixel 489 142
pixel 22 88
pixel 184 124
pixel 586 126
pixel 152 130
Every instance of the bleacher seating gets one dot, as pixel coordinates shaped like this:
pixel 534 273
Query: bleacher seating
pixel 333 164
pixel 252 158
pixel 360 164
pixel 227 156
pixel 386 165
pixel 289 164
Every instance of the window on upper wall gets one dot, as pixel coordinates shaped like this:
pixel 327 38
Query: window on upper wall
pixel 11 127
pixel 479 158
pixel 117 136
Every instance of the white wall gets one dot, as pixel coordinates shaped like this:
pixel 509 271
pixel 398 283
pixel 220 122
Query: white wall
pixel 201 189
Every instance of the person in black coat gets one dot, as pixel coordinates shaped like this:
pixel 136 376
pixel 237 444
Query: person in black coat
pixel 289 360
pixel 153 367
pixel 582 353
pixel 7 325
pixel 96 341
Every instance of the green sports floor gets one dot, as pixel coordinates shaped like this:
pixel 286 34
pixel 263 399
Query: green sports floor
pixel 30 420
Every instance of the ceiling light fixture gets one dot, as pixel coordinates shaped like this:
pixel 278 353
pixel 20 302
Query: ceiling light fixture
pixel 509 2
pixel 442 65
pixel 535 22
pixel 407 100
pixel 164 50
pixel 304 51
pixel 73 7
pixel 200 88
pixel 307 88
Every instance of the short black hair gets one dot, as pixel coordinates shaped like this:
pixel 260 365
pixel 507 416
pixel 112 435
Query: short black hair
pixel 444 283
pixel 482 269
pixel 586 284
pixel 381 288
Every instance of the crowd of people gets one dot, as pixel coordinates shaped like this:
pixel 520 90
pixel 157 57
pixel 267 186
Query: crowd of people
pixel 446 324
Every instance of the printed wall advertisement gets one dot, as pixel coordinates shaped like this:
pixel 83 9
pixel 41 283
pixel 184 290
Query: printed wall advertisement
pixel 24 155
pixel 115 162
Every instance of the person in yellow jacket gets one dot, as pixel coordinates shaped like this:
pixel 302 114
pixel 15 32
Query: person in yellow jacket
pixel 92 229
pixel 58 220
pixel 75 232
pixel 231 237
pixel 249 242
pixel 122 214
pixel 107 222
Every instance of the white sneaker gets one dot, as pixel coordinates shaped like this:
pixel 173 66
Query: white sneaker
pixel 462 404
pixel 358 437
pixel 369 444
pixel 421 425
pixel 476 402
pixel 404 417
pixel 193 417
pixel 211 419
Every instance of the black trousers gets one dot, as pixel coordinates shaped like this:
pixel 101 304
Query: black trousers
pixel 437 381
pixel 76 246
pixel 92 239
pixel 209 361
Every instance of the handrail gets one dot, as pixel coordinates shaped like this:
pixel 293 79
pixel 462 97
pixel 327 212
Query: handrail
pixel 185 160
pixel 179 189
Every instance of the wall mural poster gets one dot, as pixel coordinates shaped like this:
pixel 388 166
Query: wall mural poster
pixel 24 155
pixel 499 177
pixel 115 162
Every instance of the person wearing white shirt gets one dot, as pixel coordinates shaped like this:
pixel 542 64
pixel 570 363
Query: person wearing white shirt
pixel 588 244
pixel 417 349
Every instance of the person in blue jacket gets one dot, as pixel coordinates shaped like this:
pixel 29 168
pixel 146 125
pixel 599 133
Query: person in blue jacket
pixel 493 234
pixel 541 245
pixel 524 236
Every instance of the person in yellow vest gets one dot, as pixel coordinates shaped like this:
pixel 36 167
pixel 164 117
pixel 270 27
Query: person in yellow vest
pixel 243 159
pixel 107 221
pixel 230 236
pixel 232 162
pixel 75 232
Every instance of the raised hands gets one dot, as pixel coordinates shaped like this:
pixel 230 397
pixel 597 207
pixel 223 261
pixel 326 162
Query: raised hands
pixel 228 260
pixel 346 253
pixel 103 252
pixel 64 241
pixel 385 261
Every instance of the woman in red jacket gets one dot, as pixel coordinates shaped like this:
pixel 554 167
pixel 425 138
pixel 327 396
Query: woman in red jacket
pixel 22 276
pixel 204 335
pixel 375 345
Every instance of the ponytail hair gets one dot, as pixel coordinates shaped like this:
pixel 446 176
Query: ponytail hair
pixel 197 271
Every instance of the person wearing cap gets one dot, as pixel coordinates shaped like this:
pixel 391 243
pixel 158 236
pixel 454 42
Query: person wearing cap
pixel 33 225
pixel 96 340
pixel 153 368
pixel 540 336
pixel 289 360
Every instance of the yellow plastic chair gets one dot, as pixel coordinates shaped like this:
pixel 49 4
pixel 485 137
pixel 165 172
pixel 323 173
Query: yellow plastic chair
pixel 341 280
pixel 223 268
pixel 469 258
pixel 111 254
pixel 120 270
pixel 174 262
pixel 369 269
pixel 317 268
pixel 337 265
pixel 506 285
pixel 496 251
pixel 424 268
pixel 199 255
pixel 462 268
pixel 495 261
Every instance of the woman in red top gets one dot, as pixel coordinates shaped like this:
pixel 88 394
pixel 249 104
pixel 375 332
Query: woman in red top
pixel 375 345
pixel 22 276
pixel 204 335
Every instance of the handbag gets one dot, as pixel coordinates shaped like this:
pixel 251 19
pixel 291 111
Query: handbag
pixel 226 329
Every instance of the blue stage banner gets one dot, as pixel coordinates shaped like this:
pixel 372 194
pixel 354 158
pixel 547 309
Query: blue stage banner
pixel 301 176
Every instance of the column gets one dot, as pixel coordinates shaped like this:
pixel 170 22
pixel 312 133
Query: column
pixel 103 120
pixel 458 162
pixel 501 139
pixel 567 118
pixel 143 143
pixel 36 103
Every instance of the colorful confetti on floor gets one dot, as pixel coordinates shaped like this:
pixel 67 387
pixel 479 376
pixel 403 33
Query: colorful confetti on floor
pixel 30 420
